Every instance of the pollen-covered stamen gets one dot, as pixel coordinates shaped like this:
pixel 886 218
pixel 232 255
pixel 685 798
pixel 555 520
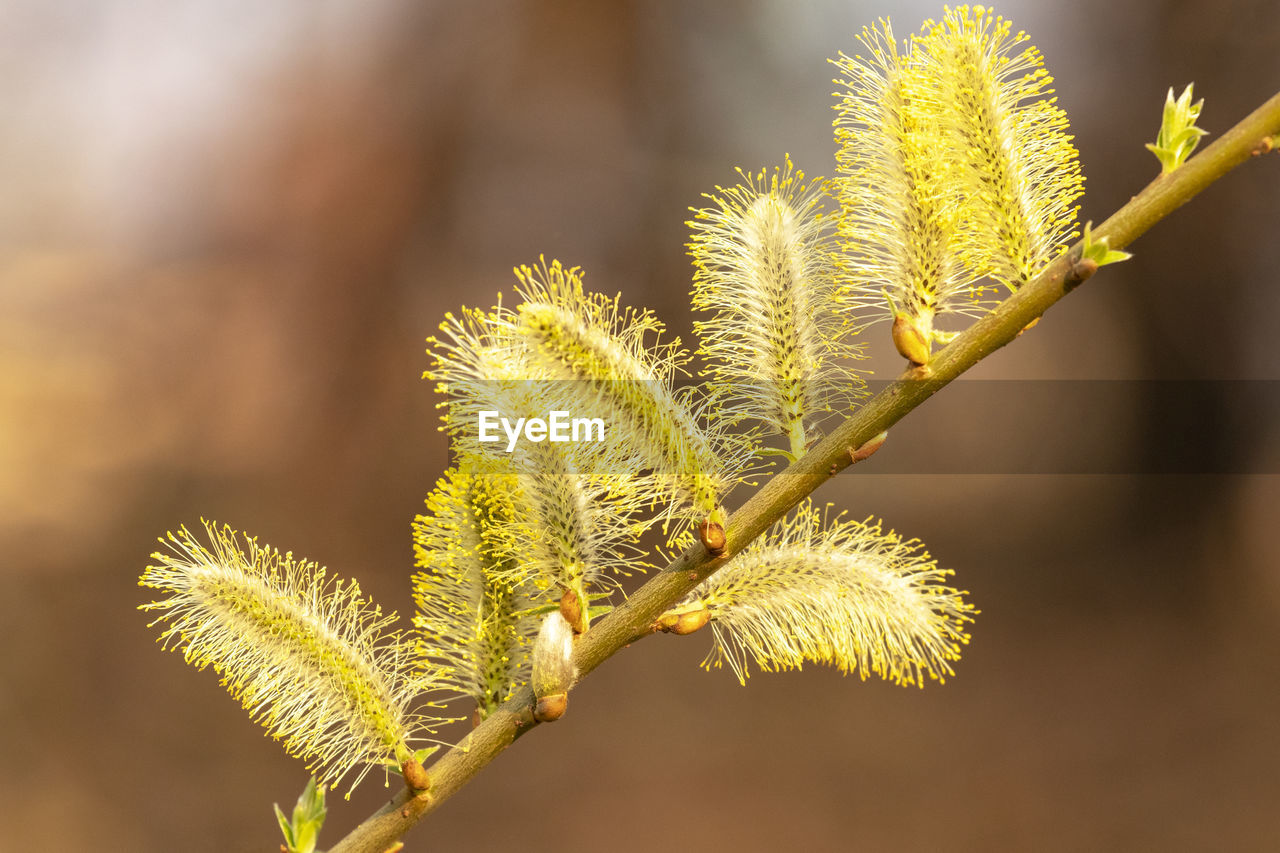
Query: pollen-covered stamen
pixel 578 520
pixel 568 538
pixel 581 355
pixel 247 607
pixel 791 346
pixel 479 366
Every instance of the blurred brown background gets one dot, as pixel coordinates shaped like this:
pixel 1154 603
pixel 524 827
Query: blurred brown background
pixel 225 231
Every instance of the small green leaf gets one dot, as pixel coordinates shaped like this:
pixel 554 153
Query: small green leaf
pixel 419 755
pixel 1098 251
pixel 776 451
pixel 1178 135
pixel 285 827
pixel 600 610
pixel 302 832
pixel 306 838
pixel 310 805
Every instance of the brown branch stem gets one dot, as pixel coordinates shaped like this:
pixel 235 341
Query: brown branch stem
pixel 634 618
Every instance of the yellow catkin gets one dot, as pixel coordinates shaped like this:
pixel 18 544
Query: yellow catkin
pixel 899 222
pixel 840 593
pixel 567 349
pixel 776 346
pixel 473 593
pixel 608 361
pixel 578 528
pixel 1007 138
pixel 312 660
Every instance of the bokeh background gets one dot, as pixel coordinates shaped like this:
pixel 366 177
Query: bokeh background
pixel 226 229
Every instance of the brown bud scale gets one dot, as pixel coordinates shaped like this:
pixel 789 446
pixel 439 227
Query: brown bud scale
pixel 713 538
pixel 691 621
pixel 551 708
pixel 415 775
pixel 683 621
pixel 868 447
pixel 666 622
pixel 1080 271
pixel 571 610
pixel 909 340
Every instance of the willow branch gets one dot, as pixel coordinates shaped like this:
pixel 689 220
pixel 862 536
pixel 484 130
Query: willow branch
pixel 635 618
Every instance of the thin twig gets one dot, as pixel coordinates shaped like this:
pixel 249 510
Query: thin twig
pixel 634 618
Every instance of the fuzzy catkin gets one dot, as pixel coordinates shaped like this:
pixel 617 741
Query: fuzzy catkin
pixel 762 256
pixel 608 361
pixel 587 355
pixel 601 354
pixel 577 530
pixel 310 659
pixel 845 594
pixel 1007 142
pixel 898 226
pixel 473 594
